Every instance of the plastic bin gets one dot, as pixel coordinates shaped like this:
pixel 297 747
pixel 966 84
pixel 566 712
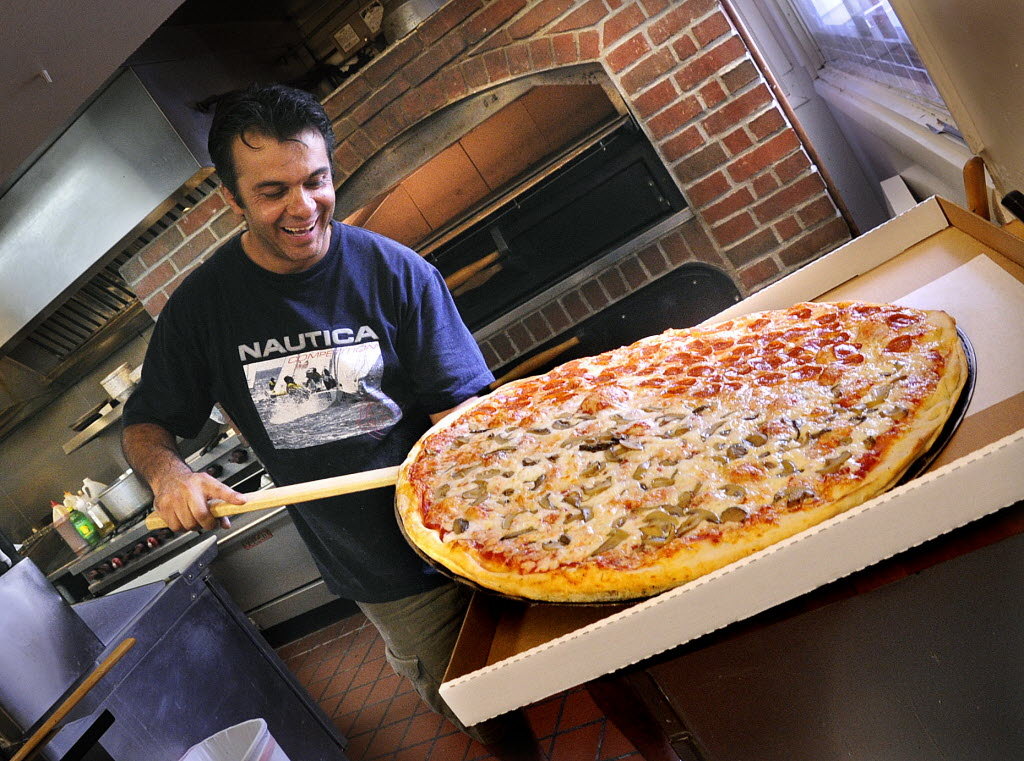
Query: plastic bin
pixel 248 741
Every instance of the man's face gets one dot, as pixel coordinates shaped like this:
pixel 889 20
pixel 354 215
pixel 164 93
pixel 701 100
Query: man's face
pixel 286 194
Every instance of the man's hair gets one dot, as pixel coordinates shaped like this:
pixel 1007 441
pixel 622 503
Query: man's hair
pixel 275 111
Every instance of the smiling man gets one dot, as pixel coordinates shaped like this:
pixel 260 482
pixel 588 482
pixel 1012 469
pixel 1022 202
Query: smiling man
pixel 331 349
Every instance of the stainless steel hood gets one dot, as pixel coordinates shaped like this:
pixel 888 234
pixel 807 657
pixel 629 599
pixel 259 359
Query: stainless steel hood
pixel 88 193
pixel 70 222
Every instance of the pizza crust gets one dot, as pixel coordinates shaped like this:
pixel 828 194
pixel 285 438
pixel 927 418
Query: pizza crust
pixel 682 559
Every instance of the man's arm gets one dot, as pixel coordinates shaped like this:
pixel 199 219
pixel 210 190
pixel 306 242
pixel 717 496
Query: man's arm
pixel 180 495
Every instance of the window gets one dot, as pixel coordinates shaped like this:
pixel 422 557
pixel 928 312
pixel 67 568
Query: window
pixel 865 38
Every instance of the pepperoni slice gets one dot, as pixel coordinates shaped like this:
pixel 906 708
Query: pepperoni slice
pixel 807 372
pixel 900 344
pixel 901 320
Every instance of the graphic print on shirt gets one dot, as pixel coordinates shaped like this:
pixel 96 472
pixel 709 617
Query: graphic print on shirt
pixel 321 396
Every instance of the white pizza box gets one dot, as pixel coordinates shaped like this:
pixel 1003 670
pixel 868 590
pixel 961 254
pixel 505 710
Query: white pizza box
pixel 935 255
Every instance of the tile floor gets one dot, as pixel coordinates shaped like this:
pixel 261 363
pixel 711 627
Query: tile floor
pixel 343 667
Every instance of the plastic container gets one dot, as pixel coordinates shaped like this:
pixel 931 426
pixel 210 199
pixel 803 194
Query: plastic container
pixel 67 532
pixel 248 741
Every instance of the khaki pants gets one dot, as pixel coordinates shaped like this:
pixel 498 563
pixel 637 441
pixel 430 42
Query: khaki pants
pixel 419 635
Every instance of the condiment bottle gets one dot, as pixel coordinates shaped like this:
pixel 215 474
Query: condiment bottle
pixel 94 510
pixel 67 532
pixel 85 527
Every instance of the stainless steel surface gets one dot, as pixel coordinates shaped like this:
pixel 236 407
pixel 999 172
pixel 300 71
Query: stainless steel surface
pixel 93 430
pixel 106 173
pixel 264 565
pixel 126 497
pixel 44 646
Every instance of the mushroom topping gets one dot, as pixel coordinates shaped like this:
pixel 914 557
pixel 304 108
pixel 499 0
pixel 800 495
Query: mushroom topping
pixel 734 514
pixel 520 532
pixel 615 537
pixel 735 451
pixel 756 439
pixel 735 490
pixel 832 464
pixel 459 525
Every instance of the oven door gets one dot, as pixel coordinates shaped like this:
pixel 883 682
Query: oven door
pixel 265 567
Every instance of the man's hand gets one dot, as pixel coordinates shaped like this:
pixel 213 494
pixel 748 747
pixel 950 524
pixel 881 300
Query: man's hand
pixel 180 495
pixel 182 500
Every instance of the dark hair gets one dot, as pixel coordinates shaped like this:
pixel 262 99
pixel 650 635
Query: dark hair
pixel 273 110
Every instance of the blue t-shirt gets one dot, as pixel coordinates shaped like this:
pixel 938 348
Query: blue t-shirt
pixel 328 371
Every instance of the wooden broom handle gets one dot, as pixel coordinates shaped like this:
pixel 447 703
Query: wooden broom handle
pixel 50 725
pixel 974 186
pixel 304 492
pixel 538 360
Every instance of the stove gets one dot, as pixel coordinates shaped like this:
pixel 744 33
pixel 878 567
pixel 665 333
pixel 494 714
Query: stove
pixel 133 548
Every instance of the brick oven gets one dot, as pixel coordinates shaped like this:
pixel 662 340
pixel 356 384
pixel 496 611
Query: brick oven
pixel 434 145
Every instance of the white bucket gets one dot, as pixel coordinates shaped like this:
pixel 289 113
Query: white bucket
pixel 248 741
pixel 119 383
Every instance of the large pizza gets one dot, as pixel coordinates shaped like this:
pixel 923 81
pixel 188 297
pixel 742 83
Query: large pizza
pixel 621 475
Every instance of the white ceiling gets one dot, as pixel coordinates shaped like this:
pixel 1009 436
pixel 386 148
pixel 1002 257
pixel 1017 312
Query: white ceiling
pixel 79 44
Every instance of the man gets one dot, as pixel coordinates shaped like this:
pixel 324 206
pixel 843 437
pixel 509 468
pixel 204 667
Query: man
pixel 297 288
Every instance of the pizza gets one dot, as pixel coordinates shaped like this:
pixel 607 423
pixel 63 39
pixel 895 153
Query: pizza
pixel 619 476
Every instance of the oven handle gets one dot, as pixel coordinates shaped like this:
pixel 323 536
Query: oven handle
pixel 250 527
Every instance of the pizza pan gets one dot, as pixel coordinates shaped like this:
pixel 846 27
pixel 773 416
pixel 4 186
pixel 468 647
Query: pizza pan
pixel 956 417
pixel 919 466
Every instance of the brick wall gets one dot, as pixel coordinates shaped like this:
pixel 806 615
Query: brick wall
pixel 761 208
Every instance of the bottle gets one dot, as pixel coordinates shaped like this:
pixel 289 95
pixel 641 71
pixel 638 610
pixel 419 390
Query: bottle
pixel 67 532
pixel 85 527
pixel 95 512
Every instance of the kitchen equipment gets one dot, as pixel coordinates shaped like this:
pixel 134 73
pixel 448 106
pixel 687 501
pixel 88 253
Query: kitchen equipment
pixel 126 497
pixel 118 384
pixel 248 741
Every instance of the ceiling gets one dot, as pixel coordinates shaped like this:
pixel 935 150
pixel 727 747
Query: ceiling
pixel 79 45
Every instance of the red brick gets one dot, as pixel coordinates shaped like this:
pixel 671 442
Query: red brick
pixel 490 356
pixel 633 272
pixel 503 348
pixel 733 230
pixel 575 306
pixel 710 63
pixel 346 159
pixel 628 53
pixel 675 249
pixel 704 192
pixel 595 295
pixel 712 94
pixel 453 83
pixel 556 317
pixel 817 212
pixel 590 45
pixel 792 167
pixel 758 275
pixel 706 160
pixel 649 70
pixel 497 65
pixel 475 73
pixel 739 76
pixel 492 17
pixel 674 117
pixel 583 17
pixel 342 99
pixel 737 111
pixel 789 198
pixel 193 250
pixel 728 206
pixel 686 142
pixel 752 248
pixel 737 141
pixel 376 103
pixel 621 24
pixel 767 123
pixel 684 47
pixel 679 19
pixel 788 227
pixel 655 99
pixel 655 7
pixel 764 185
pixel 446 19
pixel 520 337
pixel 565 49
pixel 763 156
pixel 378 131
pixel 226 224
pixel 155 303
pixel 161 246
pixel 499 39
pixel 540 15
pixel 817 242
pixel 433 58
pixel 613 284
pixel 519 59
pixel 653 260
pixel 711 29
pixel 542 53
pixel 154 280
pixel 538 327
pixel 383 68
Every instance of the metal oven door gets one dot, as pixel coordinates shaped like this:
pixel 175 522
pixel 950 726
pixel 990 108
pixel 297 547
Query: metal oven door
pixel 266 568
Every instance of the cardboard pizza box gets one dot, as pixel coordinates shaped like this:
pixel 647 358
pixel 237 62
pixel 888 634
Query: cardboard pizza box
pixel 936 255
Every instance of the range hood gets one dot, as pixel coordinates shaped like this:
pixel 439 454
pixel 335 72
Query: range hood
pixel 65 225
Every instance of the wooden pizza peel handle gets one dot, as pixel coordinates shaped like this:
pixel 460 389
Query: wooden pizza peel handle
pixel 304 492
